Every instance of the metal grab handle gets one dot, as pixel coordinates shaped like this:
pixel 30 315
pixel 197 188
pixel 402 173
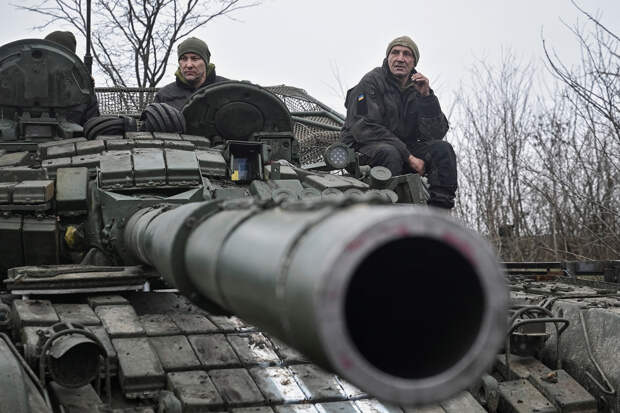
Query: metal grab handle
pixel 516 325
pixel 530 309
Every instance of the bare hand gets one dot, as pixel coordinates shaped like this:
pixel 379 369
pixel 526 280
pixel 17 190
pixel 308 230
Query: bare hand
pixel 421 83
pixel 416 164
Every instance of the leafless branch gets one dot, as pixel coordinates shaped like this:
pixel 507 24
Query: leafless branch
pixel 139 35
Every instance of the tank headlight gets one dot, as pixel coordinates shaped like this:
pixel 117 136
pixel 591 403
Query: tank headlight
pixel 338 156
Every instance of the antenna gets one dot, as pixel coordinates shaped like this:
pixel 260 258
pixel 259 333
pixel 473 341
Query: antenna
pixel 88 59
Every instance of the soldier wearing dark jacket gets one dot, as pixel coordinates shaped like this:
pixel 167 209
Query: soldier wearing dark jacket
pixel 194 72
pixel 395 120
pixel 79 113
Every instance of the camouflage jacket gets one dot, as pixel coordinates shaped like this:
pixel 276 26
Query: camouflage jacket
pixel 378 110
pixel 177 92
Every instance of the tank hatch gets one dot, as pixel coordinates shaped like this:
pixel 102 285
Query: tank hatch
pixel 38 75
pixel 235 111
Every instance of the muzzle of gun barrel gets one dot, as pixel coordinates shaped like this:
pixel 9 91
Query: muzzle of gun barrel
pixel 403 302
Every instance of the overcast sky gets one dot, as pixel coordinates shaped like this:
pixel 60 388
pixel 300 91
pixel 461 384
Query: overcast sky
pixel 302 43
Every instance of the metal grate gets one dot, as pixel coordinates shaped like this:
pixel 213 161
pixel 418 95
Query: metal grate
pixel 313 141
pixel 124 101
pixel 315 124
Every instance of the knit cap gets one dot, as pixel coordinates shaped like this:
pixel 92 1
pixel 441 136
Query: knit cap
pixel 65 39
pixel 194 45
pixel 406 42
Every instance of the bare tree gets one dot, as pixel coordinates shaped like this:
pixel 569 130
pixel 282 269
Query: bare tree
pixel 573 187
pixel 595 83
pixel 540 173
pixel 590 145
pixel 133 39
pixel 338 88
pixel 494 119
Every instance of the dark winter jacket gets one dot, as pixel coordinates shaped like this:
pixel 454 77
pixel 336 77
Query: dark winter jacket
pixel 177 92
pixel 81 113
pixel 378 110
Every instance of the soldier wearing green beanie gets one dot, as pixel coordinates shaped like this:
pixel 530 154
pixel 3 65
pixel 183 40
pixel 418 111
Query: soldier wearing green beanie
pixel 195 72
pixel 196 46
pixel 405 41
pixel 394 120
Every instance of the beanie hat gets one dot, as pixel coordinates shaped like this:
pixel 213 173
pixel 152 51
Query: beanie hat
pixel 406 42
pixel 194 45
pixel 65 39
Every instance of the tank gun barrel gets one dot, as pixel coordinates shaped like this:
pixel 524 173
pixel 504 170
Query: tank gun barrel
pixel 402 302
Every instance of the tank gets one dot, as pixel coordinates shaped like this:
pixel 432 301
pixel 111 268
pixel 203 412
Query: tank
pixel 188 262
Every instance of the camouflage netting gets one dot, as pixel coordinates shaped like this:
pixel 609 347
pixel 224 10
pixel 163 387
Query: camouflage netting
pixel 314 124
pixel 124 101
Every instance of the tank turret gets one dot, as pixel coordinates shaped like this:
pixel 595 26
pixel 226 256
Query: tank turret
pixel 40 83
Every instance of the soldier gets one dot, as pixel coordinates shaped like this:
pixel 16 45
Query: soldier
pixel 194 72
pixel 395 120
pixel 80 113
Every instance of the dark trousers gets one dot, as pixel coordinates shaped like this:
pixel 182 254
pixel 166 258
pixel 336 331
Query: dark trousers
pixel 439 164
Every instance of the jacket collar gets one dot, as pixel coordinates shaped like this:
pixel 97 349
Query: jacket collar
pixel 182 82
pixel 388 74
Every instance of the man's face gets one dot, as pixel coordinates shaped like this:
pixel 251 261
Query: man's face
pixel 400 61
pixel 193 68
